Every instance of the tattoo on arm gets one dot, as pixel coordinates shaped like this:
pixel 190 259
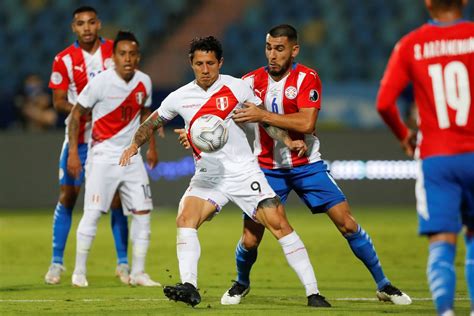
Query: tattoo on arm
pixel 275 132
pixel 73 126
pixel 146 129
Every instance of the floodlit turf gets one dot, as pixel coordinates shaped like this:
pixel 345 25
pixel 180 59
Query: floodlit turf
pixel 25 238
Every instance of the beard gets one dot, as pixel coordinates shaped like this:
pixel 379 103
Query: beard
pixel 282 71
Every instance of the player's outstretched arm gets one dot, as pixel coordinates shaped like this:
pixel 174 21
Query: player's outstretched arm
pixel 142 135
pixel 74 166
pixel 152 152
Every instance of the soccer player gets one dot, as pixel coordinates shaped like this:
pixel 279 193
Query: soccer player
pixel 229 174
pixel 291 94
pixel 72 70
pixel 438 59
pixel 119 99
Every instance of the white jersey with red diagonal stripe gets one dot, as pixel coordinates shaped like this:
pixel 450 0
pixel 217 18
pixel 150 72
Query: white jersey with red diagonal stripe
pixel 72 70
pixel 301 88
pixel 222 98
pixel 116 107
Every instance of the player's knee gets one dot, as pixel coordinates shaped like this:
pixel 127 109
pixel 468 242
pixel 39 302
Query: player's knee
pixel 88 224
pixel 141 226
pixel 184 219
pixel 249 241
pixel 68 196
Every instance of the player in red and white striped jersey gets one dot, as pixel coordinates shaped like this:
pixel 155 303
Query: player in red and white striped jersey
pixel 438 59
pixel 119 99
pixel 72 70
pixel 292 101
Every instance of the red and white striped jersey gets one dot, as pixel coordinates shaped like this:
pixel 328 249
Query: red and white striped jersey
pixel 221 99
pixel 439 60
pixel 72 70
pixel 301 88
pixel 116 107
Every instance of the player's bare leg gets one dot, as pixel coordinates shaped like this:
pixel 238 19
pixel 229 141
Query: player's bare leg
pixel 61 226
pixel 362 246
pixel 272 215
pixel 193 211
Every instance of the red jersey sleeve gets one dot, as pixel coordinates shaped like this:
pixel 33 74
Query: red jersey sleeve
pixel 395 79
pixel 59 77
pixel 309 95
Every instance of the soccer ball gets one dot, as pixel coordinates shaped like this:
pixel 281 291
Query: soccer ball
pixel 209 133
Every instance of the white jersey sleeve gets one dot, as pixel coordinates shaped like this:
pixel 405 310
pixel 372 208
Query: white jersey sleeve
pixel 91 94
pixel 245 93
pixel 167 109
pixel 149 92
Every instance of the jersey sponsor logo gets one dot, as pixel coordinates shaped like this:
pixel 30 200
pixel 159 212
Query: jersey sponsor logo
pixel 222 103
pixel 56 78
pixel 258 93
pixel 108 63
pixel 291 92
pixel 313 95
pixel 139 97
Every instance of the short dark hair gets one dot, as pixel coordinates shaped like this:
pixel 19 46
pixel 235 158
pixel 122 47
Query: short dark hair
pixel 284 30
pixel 125 36
pixel 84 8
pixel 206 44
pixel 446 4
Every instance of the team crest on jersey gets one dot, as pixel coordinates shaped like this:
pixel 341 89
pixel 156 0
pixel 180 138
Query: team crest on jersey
pixel 139 97
pixel 222 103
pixel 56 78
pixel 313 95
pixel 291 92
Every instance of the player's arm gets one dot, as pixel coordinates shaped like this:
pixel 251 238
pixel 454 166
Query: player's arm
pixel 303 121
pixel 395 79
pixel 142 135
pixel 60 102
pixel 73 162
pixel 282 135
pixel 151 153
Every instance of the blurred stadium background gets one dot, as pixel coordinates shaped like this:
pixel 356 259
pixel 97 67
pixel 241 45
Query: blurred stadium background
pixel 347 41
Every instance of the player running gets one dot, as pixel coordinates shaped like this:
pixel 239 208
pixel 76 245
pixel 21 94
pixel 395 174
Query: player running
pixel 72 70
pixel 119 99
pixel 230 174
pixel 438 58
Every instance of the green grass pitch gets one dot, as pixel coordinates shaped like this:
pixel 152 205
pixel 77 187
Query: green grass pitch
pixel 25 239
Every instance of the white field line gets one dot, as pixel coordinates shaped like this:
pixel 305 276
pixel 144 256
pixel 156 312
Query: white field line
pixel 165 299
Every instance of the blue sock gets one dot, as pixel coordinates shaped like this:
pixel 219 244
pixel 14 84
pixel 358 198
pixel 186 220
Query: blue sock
pixel 362 247
pixel 61 226
pixel 119 224
pixel 470 266
pixel 244 259
pixel 441 275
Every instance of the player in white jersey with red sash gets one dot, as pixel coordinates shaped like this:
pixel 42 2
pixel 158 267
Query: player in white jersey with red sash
pixel 72 70
pixel 119 100
pixel 292 100
pixel 230 174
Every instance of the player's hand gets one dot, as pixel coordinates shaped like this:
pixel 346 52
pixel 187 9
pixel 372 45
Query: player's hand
pixel 297 145
pixel 409 143
pixel 161 131
pixel 74 166
pixel 128 153
pixel 249 114
pixel 152 157
pixel 182 137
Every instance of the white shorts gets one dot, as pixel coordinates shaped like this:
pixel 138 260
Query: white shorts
pixel 103 179
pixel 246 190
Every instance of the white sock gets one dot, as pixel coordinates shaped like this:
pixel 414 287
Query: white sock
pixel 140 235
pixel 85 236
pixel 298 259
pixel 189 251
